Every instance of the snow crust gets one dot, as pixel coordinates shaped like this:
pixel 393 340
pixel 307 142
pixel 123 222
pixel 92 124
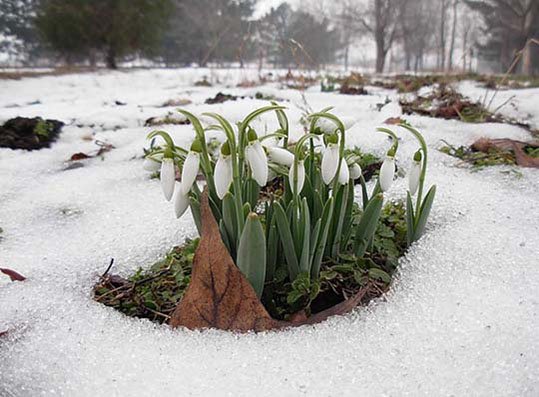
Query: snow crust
pixel 460 320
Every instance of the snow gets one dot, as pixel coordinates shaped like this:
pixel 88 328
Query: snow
pixel 461 318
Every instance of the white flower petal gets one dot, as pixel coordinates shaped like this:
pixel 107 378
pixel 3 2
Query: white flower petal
pixel 190 171
pixel 344 174
pixel 326 125
pixel 151 165
pixel 413 177
pixel 168 178
pixel 387 173
pixel 280 156
pixel 271 175
pixel 258 161
pixel 330 163
pixel 355 171
pixel 181 202
pixel 300 176
pixel 223 175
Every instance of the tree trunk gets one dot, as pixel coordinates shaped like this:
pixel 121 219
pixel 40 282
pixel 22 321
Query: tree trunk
pixel 379 37
pixel 111 58
pixel 453 34
pixel 380 59
pixel 527 67
pixel 442 35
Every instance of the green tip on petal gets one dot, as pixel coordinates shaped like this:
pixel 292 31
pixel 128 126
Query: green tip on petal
pixel 331 138
pixel 225 149
pixel 196 146
pixel 251 135
pixel 418 156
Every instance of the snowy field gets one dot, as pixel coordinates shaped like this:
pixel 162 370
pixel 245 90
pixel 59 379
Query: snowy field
pixel 462 318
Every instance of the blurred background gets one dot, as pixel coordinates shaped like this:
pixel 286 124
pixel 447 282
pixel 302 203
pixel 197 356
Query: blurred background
pixel 383 36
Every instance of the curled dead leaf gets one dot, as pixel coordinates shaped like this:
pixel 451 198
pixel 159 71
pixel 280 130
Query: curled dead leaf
pixel 522 159
pixel 219 296
pixel 393 121
pixel 13 275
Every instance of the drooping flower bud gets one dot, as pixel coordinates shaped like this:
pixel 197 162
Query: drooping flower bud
pixel 181 202
pixel 325 126
pixel 387 173
pixel 330 159
pixel 414 174
pixel 355 171
pixel 223 171
pixel 344 173
pixel 191 166
pixel 300 177
pixel 258 161
pixel 168 177
pixel 280 156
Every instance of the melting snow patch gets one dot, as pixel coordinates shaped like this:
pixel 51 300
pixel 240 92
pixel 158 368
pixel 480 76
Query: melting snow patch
pixel 461 318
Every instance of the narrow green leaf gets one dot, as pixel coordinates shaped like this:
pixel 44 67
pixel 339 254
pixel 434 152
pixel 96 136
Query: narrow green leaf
pixel 253 191
pixel 224 237
pixel 272 251
pixel 287 241
pixel 320 246
pixel 304 264
pixel 368 224
pixel 410 225
pixel 229 218
pixel 347 222
pixel 318 205
pixel 338 220
pixel 195 211
pixel 424 213
pixel 251 259
pixel 364 192
pixel 314 240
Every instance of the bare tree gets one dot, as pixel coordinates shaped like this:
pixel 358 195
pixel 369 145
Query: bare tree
pixel 444 5
pixel 380 19
pixel 453 34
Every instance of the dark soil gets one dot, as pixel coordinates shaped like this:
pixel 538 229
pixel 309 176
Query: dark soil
pixel 446 103
pixel 353 90
pixel 220 98
pixel 29 133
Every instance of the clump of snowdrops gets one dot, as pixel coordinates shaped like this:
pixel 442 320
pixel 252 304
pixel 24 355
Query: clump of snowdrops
pixel 315 217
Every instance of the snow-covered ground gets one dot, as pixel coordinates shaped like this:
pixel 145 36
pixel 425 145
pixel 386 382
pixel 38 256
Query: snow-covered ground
pixel 461 319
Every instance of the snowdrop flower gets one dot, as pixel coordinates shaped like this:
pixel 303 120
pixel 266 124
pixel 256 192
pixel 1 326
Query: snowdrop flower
pixel 168 177
pixel 414 174
pixel 271 175
pixel 151 165
pixel 257 159
pixel 280 156
pixel 355 171
pixel 326 126
pixel 181 202
pixel 300 176
pixel 387 173
pixel 344 173
pixel 223 171
pixel 190 167
pixel 330 160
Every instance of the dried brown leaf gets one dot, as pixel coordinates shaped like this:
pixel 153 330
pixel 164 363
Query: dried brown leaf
pixel 13 275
